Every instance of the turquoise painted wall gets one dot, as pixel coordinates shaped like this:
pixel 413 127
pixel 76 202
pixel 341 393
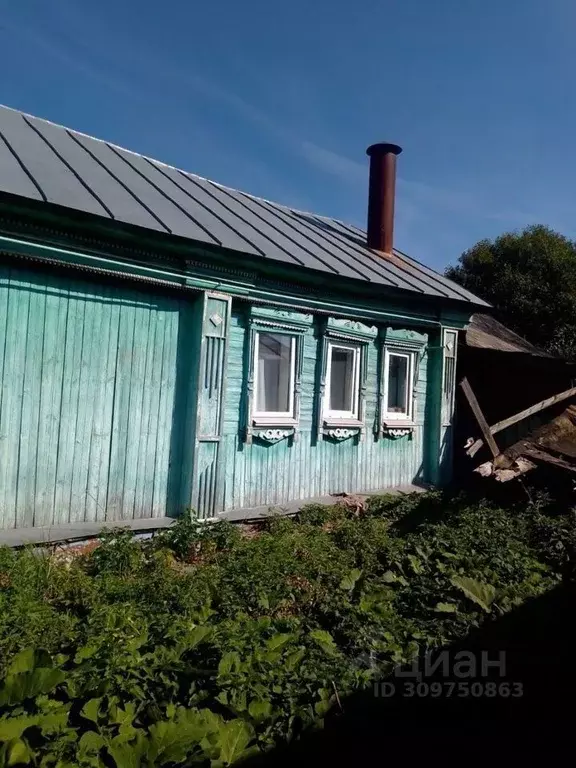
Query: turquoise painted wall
pixel 88 391
pixel 119 403
pixel 260 474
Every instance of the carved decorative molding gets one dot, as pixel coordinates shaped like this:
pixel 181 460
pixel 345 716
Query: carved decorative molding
pixel 342 433
pixel 272 435
pixel 282 319
pixel 395 433
pixel 353 330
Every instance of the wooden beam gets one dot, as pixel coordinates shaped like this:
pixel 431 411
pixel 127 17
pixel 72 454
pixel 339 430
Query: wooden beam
pixel 477 411
pixel 500 425
pixel 538 455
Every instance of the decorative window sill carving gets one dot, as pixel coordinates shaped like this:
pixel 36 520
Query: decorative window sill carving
pixel 342 429
pixel 341 433
pixel 396 432
pixel 272 435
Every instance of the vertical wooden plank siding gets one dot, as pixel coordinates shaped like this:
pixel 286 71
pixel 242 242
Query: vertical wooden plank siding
pixel 260 474
pixel 88 375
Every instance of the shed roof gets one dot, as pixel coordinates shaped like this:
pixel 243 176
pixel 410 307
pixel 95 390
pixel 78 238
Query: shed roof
pixel 485 332
pixel 46 162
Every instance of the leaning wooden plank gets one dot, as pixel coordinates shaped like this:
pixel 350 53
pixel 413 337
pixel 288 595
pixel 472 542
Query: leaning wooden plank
pixel 500 425
pixel 482 423
pixel 538 455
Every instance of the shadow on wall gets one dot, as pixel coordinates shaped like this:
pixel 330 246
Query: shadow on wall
pixel 183 432
pixel 538 662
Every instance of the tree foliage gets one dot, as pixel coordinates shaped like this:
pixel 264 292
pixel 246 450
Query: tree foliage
pixel 530 279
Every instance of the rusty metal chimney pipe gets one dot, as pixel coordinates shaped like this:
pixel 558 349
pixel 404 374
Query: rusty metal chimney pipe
pixel 381 194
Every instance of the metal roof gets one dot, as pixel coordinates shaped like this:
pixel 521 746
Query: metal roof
pixel 46 162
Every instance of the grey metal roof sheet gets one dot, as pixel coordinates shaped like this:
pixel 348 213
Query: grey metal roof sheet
pixel 43 161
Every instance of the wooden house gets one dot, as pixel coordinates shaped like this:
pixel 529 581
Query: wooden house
pixel 169 343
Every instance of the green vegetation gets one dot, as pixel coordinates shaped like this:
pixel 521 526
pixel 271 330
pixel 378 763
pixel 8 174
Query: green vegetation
pixel 530 278
pixel 207 644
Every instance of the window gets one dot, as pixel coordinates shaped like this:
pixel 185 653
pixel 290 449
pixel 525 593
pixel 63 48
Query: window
pixel 398 367
pixel 274 380
pixel 341 398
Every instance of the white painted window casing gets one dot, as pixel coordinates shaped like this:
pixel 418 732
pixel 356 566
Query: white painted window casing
pixel 341 397
pixel 398 386
pixel 274 379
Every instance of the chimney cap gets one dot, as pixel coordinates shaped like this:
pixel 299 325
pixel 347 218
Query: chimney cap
pixel 383 148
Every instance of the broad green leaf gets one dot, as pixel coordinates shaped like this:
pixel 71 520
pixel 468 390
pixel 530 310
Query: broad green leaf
pixel 128 755
pixel 349 581
pixel 394 578
pixel 279 640
pixel 415 563
pixel 86 652
pixel 90 709
pixel 125 716
pixel 325 641
pixel 446 608
pixel 228 662
pixel 198 635
pixel 389 577
pixel 27 685
pixel 22 662
pixel 293 659
pixel 260 709
pixel 233 738
pixel 14 727
pixel 90 743
pixel 481 594
pixel 18 753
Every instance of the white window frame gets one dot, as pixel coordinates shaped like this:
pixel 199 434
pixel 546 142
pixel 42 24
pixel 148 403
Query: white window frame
pixel 327 413
pixel 289 414
pixel 407 416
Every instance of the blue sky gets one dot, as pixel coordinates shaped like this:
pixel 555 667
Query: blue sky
pixel 282 99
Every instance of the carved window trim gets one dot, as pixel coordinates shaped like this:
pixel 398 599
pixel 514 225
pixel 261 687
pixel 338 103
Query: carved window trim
pixel 352 414
pixel 264 319
pixel 387 425
pixel 449 364
pixel 352 334
pixel 272 417
pixel 407 417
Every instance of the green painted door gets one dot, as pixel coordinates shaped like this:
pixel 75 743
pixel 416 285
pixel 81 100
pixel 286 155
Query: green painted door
pixel 88 399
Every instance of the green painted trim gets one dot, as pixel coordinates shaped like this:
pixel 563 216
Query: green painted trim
pixel 75 230
pixel 190 278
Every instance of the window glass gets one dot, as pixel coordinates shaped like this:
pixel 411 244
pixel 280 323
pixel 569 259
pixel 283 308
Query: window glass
pixel 342 379
pixel 274 386
pixel 398 384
